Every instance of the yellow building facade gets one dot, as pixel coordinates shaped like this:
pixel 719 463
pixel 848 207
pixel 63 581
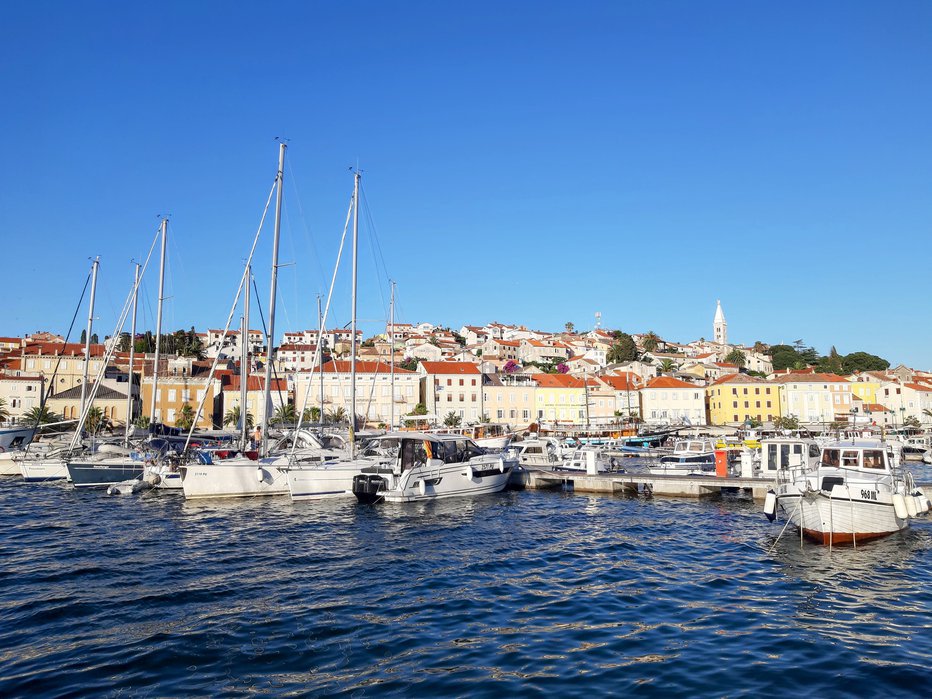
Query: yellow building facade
pixel 736 398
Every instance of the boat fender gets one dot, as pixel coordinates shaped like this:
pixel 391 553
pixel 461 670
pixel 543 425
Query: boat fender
pixel 899 506
pixel 912 505
pixel 924 504
pixel 468 473
pixel 422 487
pixel 501 465
pixel 260 474
pixel 770 505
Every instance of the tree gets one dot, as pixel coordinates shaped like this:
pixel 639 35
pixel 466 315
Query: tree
pixel 4 413
pixel 409 363
pixel 337 416
pixel 483 418
pixel 142 422
pixel 96 421
pixel 862 361
pixel 667 366
pixel 185 417
pixel 231 418
pixel 759 347
pixel 650 341
pixel 737 357
pixel 622 350
pixel 832 364
pixel 285 415
pixel 83 337
pixel 785 357
pixel 911 421
pixel 753 422
pixel 40 416
pixel 570 327
pixel 786 423
pixel 419 409
pixel 927 412
pixel 452 419
pixel 311 414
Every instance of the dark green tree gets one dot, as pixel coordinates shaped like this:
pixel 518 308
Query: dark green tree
pixel 862 361
pixel 622 350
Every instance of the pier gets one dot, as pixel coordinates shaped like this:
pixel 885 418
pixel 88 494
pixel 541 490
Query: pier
pixel 648 484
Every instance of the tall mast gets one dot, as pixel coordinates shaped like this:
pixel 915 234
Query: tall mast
pixel 244 362
pixel 273 293
pixel 352 434
pixel 158 322
pixel 132 354
pixel 90 326
pixel 391 357
pixel 320 365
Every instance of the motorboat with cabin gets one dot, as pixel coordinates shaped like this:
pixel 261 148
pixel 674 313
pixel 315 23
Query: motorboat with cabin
pixel 589 460
pixel 431 466
pixel 690 457
pixel 13 440
pixel 540 452
pixel 856 492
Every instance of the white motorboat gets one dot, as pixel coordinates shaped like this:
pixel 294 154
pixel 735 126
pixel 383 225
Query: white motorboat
pixel 432 466
pixel 333 478
pixel 540 452
pixel 12 442
pixel 857 492
pixel 690 457
pixel 588 460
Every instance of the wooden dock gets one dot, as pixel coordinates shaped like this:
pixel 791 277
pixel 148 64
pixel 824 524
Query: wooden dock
pixel 647 484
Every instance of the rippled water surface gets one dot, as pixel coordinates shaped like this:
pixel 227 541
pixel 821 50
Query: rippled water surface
pixel 524 592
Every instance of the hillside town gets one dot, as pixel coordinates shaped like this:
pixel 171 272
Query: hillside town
pixel 424 373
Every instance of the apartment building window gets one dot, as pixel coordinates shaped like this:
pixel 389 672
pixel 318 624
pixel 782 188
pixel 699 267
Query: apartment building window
pixel 500 414
pixel 473 397
pixel 461 382
pixel 745 391
pixel 734 392
pixel 462 397
pixel 172 397
pixel 736 419
pixel 473 382
pixel 746 405
pixel 540 414
pixel 449 398
pixel 757 390
pixel 171 414
pixel 525 414
pixel 449 382
pixel 757 404
pixel 734 404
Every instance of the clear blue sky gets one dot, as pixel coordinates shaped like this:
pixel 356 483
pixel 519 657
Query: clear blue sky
pixel 525 162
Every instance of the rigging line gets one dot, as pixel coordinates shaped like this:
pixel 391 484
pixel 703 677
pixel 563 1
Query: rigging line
pixel 268 354
pixel 318 353
pixel 373 245
pixel 243 279
pixel 378 243
pixel 307 233
pixel 45 395
pixel 109 353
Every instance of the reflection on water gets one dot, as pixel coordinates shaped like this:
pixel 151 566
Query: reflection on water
pixel 523 592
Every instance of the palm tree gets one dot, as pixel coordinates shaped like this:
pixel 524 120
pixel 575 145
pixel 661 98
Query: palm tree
pixel 231 418
pixel 285 414
pixel 142 422
pixel 4 413
pixel 40 415
pixel 650 341
pixel 736 357
pixel 452 419
pixel 311 414
pixel 667 366
pixel 185 417
pixel 927 412
pixel 97 421
pixel 337 416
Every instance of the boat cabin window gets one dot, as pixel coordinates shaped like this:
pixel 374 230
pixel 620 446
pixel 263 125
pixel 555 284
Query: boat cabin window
pixel 533 450
pixel 472 449
pixel 771 457
pixel 849 458
pixel 413 454
pixel 873 458
pixel 831 458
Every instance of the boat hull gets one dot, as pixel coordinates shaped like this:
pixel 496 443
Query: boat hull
pixel 39 470
pixel 835 517
pixel 334 480
pixel 235 478
pixel 451 481
pixel 96 475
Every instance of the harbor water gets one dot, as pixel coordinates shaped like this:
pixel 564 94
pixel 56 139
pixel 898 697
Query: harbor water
pixel 521 593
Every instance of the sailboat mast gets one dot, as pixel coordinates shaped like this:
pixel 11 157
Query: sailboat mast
pixel 158 323
pixel 320 365
pixel 90 326
pixel 132 355
pixel 244 362
pixel 391 357
pixel 273 293
pixel 352 434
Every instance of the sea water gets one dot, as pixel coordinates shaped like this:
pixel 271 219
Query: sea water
pixel 522 593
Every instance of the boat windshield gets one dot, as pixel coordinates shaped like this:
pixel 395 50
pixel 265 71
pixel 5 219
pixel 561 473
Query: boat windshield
pixel 873 458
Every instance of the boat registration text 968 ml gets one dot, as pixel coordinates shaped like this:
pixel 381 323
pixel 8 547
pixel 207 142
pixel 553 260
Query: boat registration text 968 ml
pixel 869 495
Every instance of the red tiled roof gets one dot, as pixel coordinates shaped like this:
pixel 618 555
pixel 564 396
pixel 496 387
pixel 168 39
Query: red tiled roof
pixel 810 378
pixel 623 382
pixel 668 382
pixel 255 383
pixel 342 366
pixel 557 381
pixel 918 386
pixel 450 367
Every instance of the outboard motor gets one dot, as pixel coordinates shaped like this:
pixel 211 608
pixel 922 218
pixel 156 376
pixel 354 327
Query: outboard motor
pixel 368 487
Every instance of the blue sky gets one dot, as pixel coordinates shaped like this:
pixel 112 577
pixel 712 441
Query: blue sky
pixel 525 162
